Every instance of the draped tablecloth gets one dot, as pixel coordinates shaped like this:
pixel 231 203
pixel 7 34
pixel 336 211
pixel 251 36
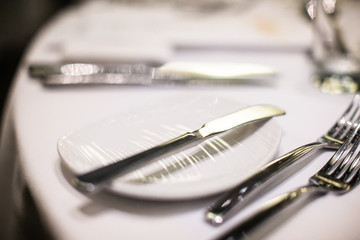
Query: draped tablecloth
pixel 274 33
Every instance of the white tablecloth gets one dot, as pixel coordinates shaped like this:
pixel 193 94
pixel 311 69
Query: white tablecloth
pixel 265 33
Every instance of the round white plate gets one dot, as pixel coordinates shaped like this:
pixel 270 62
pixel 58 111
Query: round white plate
pixel 213 166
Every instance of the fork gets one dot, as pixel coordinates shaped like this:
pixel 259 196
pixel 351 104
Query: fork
pixel 228 203
pixel 339 175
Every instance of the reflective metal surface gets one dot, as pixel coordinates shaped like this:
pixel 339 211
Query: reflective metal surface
pixel 142 74
pixel 339 175
pixel 227 204
pixel 92 180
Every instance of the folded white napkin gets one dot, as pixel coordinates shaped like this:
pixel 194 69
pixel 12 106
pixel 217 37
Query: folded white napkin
pixel 115 31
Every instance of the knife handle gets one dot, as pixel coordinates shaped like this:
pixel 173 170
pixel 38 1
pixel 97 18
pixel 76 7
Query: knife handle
pixel 221 209
pixel 267 210
pixel 91 181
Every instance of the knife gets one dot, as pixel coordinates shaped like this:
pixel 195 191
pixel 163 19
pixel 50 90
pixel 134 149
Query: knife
pixel 93 180
pixel 142 74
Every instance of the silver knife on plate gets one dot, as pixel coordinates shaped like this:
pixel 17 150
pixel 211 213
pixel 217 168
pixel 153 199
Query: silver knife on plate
pixel 93 180
pixel 143 74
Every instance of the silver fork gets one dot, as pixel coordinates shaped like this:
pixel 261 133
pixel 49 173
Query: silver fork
pixel 233 200
pixel 339 175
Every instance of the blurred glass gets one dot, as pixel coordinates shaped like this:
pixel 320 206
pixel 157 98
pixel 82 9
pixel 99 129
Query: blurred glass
pixel 336 46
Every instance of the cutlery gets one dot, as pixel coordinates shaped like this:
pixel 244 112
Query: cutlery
pixel 93 180
pixel 339 175
pixel 222 208
pixel 142 74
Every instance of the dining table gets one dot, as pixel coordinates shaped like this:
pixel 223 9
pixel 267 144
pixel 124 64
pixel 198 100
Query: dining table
pixel 49 132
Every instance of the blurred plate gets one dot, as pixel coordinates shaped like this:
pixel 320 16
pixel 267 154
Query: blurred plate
pixel 215 165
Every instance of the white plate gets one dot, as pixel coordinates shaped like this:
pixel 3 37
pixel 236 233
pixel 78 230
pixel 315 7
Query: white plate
pixel 215 165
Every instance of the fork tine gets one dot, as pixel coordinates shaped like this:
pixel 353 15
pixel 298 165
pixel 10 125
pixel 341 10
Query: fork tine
pixel 353 170
pixel 354 107
pixel 345 168
pixel 352 114
pixel 349 125
pixel 338 158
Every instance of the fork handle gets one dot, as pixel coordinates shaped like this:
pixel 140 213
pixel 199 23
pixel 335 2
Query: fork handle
pixel 267 210
pixel 221 209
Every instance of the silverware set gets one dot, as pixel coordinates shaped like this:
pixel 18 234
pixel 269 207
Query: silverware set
pixel 93 180
pixel 333 139
pixel 334 64
pixel 339 175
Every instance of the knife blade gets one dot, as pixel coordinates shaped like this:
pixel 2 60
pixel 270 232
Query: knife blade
pixel 143 74
pixel 93 180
